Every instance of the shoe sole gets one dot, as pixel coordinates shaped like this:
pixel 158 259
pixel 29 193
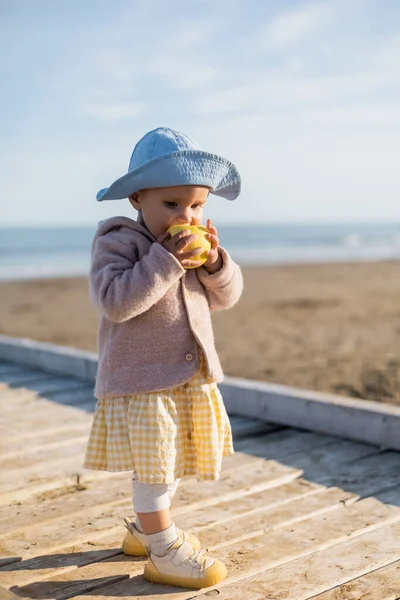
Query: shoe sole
pixel 137 550
pixel 185 582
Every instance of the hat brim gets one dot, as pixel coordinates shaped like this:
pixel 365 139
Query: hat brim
pixel 186 167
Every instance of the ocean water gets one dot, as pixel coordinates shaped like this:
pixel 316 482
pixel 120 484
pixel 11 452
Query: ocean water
pixel 27 253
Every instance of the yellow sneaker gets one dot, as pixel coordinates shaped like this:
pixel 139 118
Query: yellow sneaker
pixel 134 543
pixel 183 566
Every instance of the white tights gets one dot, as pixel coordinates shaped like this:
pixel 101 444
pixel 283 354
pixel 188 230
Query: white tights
pixel 152 497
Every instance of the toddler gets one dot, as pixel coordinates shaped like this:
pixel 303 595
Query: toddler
pixel 159 412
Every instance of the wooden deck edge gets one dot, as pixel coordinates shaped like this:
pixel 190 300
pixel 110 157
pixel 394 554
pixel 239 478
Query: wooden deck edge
pixel 359 420
pixel 60 360
pixel 353 419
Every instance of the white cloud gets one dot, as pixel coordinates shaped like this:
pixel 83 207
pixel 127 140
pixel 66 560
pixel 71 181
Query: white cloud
pixel 385 58
pixel 272 92
pixel 183 55
pixel 291 25
pixel 354 116
pixel 111 112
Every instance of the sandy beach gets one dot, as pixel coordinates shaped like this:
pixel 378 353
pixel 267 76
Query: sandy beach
pixel 330 327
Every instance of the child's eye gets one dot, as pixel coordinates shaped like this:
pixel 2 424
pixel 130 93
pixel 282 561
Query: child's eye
pixel 170 204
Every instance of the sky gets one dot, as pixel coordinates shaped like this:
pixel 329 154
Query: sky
pixel 302 96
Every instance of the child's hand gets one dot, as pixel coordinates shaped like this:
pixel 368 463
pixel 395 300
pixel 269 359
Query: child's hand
pixel 214 260
pixel 177 244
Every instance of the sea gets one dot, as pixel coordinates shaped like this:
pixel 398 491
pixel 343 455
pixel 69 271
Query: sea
pixel 30 253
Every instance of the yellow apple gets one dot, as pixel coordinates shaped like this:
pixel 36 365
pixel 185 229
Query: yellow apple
pixel 201 242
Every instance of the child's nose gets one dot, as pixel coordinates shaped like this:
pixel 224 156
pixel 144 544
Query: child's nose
pixel 185 217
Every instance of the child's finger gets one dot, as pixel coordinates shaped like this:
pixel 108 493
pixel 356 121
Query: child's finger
pixel 182 240
pixel 188 254
pixel 191 263
pixel 211 227
pixel 214 241
pixel 163 237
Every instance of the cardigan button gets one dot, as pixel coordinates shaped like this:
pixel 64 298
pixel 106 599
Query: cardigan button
pixel 189 357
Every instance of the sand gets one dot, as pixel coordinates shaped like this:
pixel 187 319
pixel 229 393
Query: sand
pixel 330 327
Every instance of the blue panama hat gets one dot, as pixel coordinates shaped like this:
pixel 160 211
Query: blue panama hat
pixel 165 158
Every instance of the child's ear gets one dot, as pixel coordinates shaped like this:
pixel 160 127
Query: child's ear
pixel 134 200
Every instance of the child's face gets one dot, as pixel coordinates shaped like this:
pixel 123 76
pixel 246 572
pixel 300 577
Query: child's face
pixel 163 207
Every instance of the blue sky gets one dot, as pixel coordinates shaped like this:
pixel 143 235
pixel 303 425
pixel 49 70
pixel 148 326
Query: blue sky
pixel 302 96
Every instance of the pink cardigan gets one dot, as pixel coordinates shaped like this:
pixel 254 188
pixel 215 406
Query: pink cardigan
pixel 153 313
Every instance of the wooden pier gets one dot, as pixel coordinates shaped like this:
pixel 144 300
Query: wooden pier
pixel 296 514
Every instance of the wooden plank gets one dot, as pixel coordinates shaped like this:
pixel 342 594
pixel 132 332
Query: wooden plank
pixel 49 433
pixel 32 402
pixel 381 584
pixel 31 455
pixel 26 400
pixel 236 482
pixel 81 499
pixel 328 464
pixel 13 446
pixel 50 385
pixel 24 397
pixel 232 462
pixel 82 396
pixel 7 595
pixel 390 496
pixel 331 500
pixel 70 584
pixel 45 474
pixel 42 416
pixel 97 536
pixel 15 395
pixel 67 474
pixel 54 535
pixel 43 425
pixel 268 565
pixel 9 367
pixel 320 458
pixel 304 578
pixel 281 444
pixel 275 498
pixel 23 378
pixel 95 488
pixel 249 504
pixel 242 427
pixel 56 485
pixel 368 476
pixel 20 399
pixel 23 469
pixel 10 560
pixel 267 518
pixel 44 385
pixel 65 502
pixel 42 567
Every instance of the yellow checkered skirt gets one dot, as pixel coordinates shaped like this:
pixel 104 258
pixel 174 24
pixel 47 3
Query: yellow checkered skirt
pixel 162 436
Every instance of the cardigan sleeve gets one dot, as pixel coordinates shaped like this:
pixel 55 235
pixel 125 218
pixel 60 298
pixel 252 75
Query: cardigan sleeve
pixel 122 288
pixel 224 287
